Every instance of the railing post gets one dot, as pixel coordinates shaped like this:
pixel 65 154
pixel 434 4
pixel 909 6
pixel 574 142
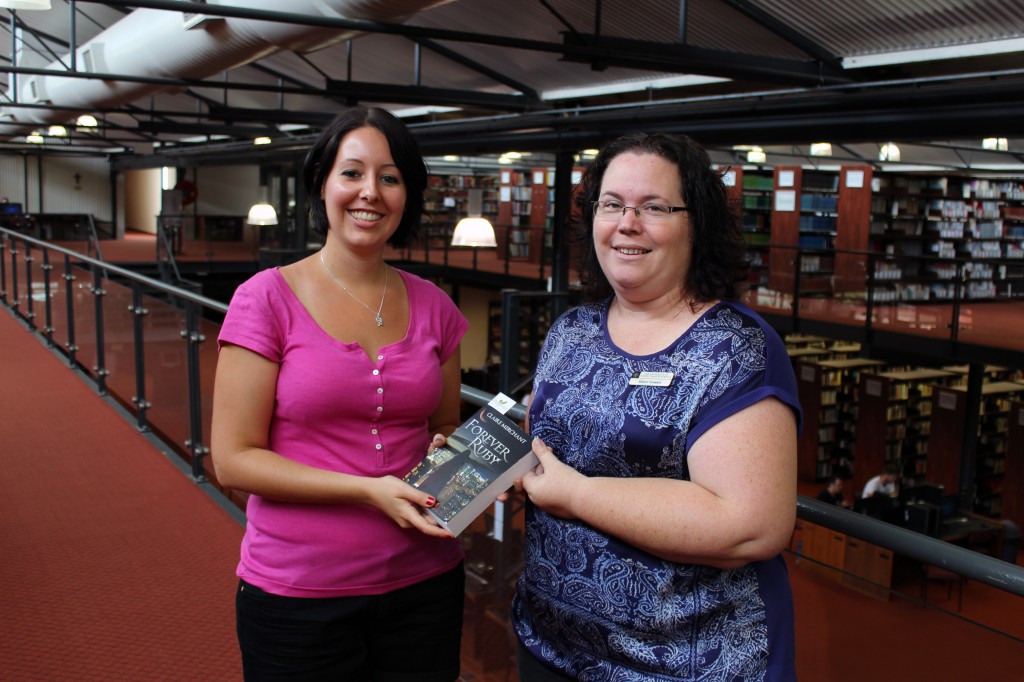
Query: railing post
pixel 3 268
pixel 195 413
pixel 101 363
pixel 797 265
pixel 69 294
pixel 138 312
pixel 14 279
pixel 869 305
pixel 47 267
pixel 954 323
pixel 507 374
pixel 30 313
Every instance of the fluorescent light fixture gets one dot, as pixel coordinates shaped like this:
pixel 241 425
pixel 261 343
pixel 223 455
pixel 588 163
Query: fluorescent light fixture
pixel 451 157
pixel 637 85
pixel 474 230
pixel 25 4
pixel 756 155
pixel 262 140
pixel 889 152
pixel 589 153
pixel 86 121
pixel 935 53
pixel 995 143
pixel 35 137
pixel 57 131
pixel 821 149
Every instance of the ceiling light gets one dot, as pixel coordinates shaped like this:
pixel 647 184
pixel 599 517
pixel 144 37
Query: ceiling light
pixel 995 143
pixel 57 131
pixel 25 4
pixel 262 213
pixel 35 137
pixel 821 149
pixel 262 140
pixel 889 152
pixel 590 153
pixel 451 157
pixel 756 155
pixel 473 230
pixel 86 121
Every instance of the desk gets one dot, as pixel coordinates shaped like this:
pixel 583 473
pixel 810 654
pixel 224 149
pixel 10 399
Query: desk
pixel 868 568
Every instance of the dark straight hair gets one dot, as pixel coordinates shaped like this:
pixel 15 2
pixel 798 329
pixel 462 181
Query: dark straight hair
pixel 404 150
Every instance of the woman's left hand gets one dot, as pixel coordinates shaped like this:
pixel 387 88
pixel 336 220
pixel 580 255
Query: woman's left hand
pixel 553 485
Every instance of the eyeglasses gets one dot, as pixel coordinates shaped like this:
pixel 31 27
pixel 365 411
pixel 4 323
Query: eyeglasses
pixel 610 209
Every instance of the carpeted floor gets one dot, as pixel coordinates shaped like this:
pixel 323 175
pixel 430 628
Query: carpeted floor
pixel 114 565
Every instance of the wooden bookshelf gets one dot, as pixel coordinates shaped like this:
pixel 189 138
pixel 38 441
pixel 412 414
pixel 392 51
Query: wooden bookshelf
pixel 1013 476
pixel 894 421
pixel 827 390
pixel 946 440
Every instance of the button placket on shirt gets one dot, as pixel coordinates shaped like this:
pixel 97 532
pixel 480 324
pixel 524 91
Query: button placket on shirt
pixel 379 411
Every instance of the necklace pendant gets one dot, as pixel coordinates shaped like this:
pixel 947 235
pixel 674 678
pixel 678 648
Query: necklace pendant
pixel 380 320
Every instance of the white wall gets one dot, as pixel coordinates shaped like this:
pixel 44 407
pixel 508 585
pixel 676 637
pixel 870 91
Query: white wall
pixel 49 184
pixel 141 199
pixel 225 190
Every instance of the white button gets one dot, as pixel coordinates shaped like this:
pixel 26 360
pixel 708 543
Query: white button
pixel 373 431
pixel 379 446
pixel 376 372
pixel 380 408
pixel 380 390
pixel 380 357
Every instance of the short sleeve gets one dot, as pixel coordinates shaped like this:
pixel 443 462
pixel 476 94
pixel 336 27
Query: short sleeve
pixel 759 369
pixel 252 318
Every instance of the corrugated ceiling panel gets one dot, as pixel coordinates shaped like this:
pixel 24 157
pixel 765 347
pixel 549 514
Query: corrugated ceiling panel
pixel 858 28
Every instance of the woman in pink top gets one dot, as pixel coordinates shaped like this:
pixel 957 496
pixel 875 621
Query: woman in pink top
pixel 334 372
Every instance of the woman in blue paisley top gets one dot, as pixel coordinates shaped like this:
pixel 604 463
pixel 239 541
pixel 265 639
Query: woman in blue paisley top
pixel 665 418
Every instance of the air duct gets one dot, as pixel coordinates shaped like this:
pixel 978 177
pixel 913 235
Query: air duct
pixel 168 44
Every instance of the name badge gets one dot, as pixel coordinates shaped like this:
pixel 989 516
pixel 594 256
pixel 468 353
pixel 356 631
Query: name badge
pixel 662 379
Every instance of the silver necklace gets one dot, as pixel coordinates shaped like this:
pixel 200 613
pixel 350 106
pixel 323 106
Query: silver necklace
pixel 380 320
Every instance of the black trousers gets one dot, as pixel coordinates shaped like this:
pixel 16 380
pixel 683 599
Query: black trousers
pixel 410 635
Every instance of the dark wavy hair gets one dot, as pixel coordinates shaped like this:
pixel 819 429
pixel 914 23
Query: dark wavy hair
pixel 718 263
pixel 404 150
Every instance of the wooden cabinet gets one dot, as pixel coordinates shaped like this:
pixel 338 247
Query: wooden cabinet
pixel 868 568
pixel 855 563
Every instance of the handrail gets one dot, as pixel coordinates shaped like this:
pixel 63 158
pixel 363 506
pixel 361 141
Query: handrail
pixel 987 570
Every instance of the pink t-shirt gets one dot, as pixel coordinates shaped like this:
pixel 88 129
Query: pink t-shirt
pixel 337 409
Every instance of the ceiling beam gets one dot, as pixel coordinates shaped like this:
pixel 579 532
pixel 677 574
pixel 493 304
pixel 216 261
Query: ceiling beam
pixel 354 92
pixel 602 52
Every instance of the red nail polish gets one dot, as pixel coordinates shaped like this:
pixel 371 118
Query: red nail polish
pixel 431 501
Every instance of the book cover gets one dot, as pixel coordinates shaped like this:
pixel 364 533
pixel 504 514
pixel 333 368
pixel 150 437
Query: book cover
pixel 481 459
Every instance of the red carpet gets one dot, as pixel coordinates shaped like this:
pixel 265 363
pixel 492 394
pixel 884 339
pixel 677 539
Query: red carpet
pixel 115 566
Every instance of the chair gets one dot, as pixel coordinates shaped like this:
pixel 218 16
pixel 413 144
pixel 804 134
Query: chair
pixel 935 574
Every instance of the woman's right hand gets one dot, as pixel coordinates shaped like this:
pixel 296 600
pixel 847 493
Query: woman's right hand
pixel 405 505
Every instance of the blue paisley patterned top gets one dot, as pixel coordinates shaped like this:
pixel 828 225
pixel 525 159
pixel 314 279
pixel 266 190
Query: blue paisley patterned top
pixel 599 609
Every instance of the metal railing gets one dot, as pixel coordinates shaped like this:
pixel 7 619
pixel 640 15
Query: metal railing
pixel 23 287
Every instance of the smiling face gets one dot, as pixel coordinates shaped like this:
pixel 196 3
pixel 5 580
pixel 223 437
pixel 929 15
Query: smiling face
pixel 364 193
pixel 643 261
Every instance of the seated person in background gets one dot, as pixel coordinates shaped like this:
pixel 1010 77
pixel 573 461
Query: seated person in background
pixel 883 484
pixel 833 492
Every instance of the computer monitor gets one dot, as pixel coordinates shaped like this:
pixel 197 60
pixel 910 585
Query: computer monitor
pixel 922 517
pixel 876 506
pixel 931 493
pixel 10 208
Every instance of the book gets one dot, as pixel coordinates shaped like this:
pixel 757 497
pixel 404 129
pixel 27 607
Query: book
pixel 481 459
